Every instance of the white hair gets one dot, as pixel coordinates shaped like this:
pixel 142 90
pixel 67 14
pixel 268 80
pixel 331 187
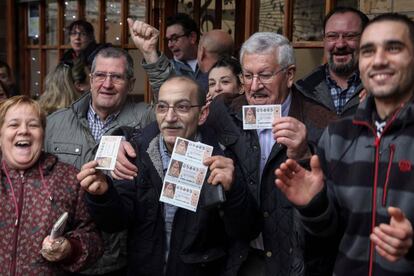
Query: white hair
pixel 266 42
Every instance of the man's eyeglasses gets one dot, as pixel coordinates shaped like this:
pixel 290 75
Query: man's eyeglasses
pixel 262 77
pixel 180 108
pixel 351 36
pixel 81 34
pixel 174 38
pixel 115 78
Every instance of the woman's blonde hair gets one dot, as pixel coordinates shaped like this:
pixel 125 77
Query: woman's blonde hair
pixel 60 91
pixel 5 105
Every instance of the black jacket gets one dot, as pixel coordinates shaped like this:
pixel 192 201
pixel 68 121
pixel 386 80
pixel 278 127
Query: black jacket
pixel 283 236
pixel 202 242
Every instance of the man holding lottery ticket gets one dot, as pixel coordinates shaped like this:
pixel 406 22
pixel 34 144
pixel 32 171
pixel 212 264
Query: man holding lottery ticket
pixel 285 123
pixel 167 236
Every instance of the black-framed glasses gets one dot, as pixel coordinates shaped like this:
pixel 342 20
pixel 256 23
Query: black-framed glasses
pixel 115 78
pixel 174 38
pixel 264 78
pixel 349 36
pixel 179 108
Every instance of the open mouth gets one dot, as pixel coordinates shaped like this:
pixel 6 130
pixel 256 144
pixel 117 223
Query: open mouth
pixel 259 96
pixel 380 76
pixel 23 144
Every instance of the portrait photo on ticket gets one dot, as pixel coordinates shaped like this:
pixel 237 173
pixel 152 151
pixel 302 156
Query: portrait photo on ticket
pixel 260 116
pixel 190 150
pixel 107 152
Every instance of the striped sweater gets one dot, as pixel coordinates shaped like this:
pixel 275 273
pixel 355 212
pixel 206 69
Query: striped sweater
pixel 365 174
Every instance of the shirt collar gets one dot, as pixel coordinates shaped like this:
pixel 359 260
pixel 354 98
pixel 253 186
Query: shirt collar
pixel 354 79
pixel 92 114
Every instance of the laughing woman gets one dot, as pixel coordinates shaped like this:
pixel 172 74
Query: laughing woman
pixel 35 189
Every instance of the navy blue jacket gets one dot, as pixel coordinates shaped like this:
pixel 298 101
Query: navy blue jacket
pixel 202 242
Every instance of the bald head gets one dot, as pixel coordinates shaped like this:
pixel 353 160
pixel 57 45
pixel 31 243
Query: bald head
pixel 213 45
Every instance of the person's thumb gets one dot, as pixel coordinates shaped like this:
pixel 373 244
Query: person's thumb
pixel 315 164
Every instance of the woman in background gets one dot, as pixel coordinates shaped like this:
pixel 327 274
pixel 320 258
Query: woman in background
pixel 60 90
pixel 224 77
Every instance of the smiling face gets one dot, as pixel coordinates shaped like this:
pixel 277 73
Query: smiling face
pixel 185 45
pixel 109 96
pixel 342 54
pixel 172 124
pixel 277 89
pixel 386 61
pixel 222 80
pixel 21 137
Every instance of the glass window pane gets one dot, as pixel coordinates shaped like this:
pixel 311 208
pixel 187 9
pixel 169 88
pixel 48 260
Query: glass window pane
pixel 70 14
pixel 51 22
pixel 33 23
pixel 308 20
pixel 137 11
pixel 52 60
pixel 207 16
pixel 186 6
pixel 139 73
pixel 228 16
pixel 34 73
pixel 113 22
pixel 271 16
pixel 92 15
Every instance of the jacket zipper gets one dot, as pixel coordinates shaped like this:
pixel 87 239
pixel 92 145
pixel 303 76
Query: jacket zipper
pixel 374 204
pixel 377 143
pixel 16 232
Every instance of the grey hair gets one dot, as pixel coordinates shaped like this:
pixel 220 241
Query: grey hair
pixel 111 52
pixel 265 42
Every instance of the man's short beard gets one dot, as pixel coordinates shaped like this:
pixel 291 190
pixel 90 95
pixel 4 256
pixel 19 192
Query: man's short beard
pixel 343 69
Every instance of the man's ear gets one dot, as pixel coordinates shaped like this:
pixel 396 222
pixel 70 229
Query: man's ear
pixel 193 38
pixel 202 52
pixel 290 74
pixel 205 110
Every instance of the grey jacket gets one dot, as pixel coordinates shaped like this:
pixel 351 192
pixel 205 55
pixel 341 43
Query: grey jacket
pixel 164 68
pixel 68 135
pixel 69 138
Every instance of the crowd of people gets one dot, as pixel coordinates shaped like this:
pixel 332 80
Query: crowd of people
pixel 325 191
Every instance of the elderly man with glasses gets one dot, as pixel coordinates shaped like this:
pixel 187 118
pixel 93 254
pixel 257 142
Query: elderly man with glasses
pixel 336 85
pixel 268 70
pixel 165 239
pixel 73 133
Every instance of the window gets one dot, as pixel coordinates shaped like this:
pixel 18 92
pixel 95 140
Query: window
pixel 45 39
